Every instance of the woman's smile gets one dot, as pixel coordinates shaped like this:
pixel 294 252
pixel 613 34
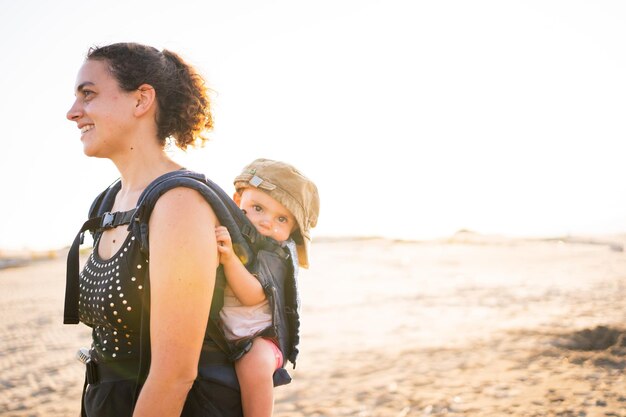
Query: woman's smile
pixel 86 128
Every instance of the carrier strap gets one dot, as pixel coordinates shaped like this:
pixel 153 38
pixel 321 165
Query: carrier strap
pixel 242 233
pixel 94 225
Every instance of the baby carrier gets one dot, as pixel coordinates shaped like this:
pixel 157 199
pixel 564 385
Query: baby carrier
pixel 261 255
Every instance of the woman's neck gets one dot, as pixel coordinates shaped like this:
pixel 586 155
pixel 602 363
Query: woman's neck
pixel 137 170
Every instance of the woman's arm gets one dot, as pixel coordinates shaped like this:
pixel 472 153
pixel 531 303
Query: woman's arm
pixel 245 286
pixel 183 261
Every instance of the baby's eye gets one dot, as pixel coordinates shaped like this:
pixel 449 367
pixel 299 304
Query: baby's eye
pixel 282 219
pixel 257 208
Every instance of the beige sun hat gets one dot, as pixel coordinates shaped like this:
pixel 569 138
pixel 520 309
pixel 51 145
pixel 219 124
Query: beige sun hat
pixel 285 184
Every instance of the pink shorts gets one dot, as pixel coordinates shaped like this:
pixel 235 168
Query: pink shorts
pixel 277 353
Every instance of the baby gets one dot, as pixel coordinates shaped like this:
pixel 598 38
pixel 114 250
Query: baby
pixel 282 204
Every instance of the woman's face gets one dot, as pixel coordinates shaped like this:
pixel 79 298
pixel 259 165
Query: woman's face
pixel 102 111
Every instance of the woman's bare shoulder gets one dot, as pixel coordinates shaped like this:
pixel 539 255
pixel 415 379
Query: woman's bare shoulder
pixel 184 204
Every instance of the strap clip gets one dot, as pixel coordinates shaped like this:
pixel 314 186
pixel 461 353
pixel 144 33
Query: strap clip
pixel 107 220
pixel 84 356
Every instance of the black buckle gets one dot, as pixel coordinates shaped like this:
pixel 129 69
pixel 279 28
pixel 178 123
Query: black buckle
pixel 107 220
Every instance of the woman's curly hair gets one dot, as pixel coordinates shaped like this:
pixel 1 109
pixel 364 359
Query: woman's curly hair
pixel 184 107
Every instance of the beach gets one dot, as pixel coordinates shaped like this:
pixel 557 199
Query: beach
pixel 466 326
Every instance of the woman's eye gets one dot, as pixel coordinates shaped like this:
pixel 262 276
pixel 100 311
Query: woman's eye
pixel 87 94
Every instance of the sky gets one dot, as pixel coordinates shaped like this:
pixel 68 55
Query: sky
pixel 415 118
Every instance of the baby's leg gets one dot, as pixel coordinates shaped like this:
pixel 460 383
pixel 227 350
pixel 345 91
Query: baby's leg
pixel 254 371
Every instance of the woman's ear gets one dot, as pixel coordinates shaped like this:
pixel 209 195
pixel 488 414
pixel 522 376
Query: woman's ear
pixel 146 99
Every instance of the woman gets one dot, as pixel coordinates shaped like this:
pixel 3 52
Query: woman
pixel 129 99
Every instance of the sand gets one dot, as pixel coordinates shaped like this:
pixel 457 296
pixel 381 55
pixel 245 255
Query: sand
pixel 467 326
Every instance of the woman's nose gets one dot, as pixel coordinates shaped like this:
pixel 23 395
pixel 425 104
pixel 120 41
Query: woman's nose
pixel 74 113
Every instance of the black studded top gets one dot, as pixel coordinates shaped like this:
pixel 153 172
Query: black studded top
pixel 110 301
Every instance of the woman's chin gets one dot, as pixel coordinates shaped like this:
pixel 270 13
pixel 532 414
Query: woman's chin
pixel 89 150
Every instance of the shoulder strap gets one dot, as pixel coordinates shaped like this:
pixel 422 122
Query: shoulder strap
pixel 243 234
pixel 105 200
pixel 98 221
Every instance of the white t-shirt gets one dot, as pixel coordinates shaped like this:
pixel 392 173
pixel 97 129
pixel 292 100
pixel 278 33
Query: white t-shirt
pixel 240 321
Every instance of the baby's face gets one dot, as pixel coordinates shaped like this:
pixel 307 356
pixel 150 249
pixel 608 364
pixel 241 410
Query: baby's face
pixel 266 214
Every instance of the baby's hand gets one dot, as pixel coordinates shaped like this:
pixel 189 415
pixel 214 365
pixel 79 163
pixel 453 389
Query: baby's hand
pixel 224 244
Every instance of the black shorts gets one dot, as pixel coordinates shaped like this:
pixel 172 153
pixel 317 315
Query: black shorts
pixel 206 398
